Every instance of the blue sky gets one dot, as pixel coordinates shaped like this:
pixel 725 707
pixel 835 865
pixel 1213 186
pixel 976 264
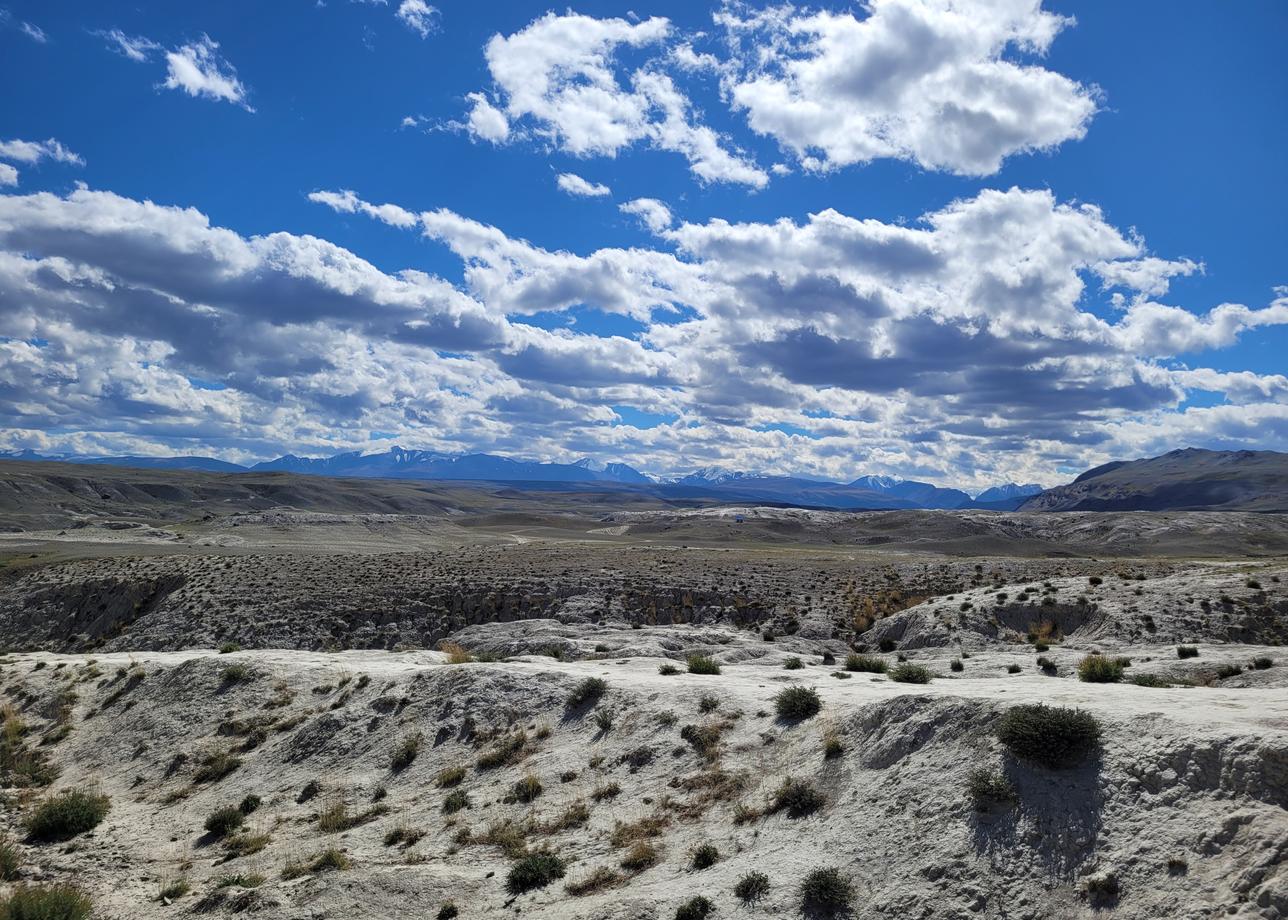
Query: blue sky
pixel 1020 335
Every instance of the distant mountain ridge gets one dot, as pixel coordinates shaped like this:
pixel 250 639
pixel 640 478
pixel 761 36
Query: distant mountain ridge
pixel 1190 479
pixel 865 492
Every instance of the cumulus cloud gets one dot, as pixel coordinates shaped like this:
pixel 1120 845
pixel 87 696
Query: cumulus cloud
pixel 575 185
pixel 418 16
pixel 35 151
pixel 560 75
pixel 652 213
pixel 946 84
pixel 8 175
pixel 199 70
pixel 960 347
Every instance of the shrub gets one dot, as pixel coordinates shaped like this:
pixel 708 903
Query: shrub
pixel 405 753
pixel 1095 580
pixel 704 739
pixel 223 821
pixel 10 859
pixel 887 645
pixel 1041 647
pixel 67 814
pixel 795 703
pixel 793 664
pixel 1047 665
pixel 527 789
pixel 238 673
pixel 173 889
pixel 456 654
pixel 1261 663
pixel 1228 670
pixel 309 791
pixel 702 664
pixel 250 804
pixel 536 870
pixel 1102 889
pixel 708 702
pixel 229 647
pixel 696 908
pixel 1051 736
pixel 56 902
pixel 751 887
pixel 826 891
pixel 910 674
pixel 1148 680
pixel 455 801
pixel 832 746
pixel 449 776
pixel 240 880
pixel 604 720
pixel 588 691
pixel 600 878
pixel 642 855
pixel 1013 668
pixel 1097 669
pixel 705 856
pixel 797 797
pixel 956 665
pixel 1186 651
pixel 449 911
pixel 988 788
pixel 330 859
pixel 869 663
pixel 666 670
pixel 509 750
pixel 216 766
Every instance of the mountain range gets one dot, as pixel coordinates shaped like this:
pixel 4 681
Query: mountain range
pixel 1187 479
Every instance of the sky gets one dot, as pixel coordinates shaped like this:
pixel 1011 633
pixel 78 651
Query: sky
pixel 964 241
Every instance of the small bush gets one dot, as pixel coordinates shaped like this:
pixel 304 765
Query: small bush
pixel 449 776
pixel 956 665
pixel 10 859
pixel 586 692
pixel 309 791
pixel 250 804
pixel 832 746
pixel 1261 663
pixel 536 870
pixel 702 664
pixel 449 911
pixel 240 880
pixel 66 815
pixel 751 887
pixel 600 878
pixel 215 767
pixel 236 673
pixel 640 856
pixel 793 664
pixel 527 789
pixel 1097 669
pixel 1186 651
pixel 227 648
pixel 666 670
pixel 1013 668
pixel 604 720
pixel 456 654
pixel 1148 680
pixel 1228 670
pixel 696 908
pixel 826 891
pixel 869 663
pixel 405 753
pixel 988 788
pixel 1041 647
pixel 56 902
pixel 173 889
pixel 223 821
pixel 455 801
pixel 797 797
pixel 331 859
pixel 1103 889
pixel 796 703
pixel 704 856
pixel 1051 736
pixel 509 750
pixel 910 674
pixel 708 702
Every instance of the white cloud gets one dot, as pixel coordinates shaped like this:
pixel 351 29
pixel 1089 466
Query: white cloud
pixel 35 151
pixel 135 47
pixel 486 121
pixel 652 213
pixel 34 32
pixel 8 175
pixel 198 69
pixel 574 184
pixel 937 82
pixel 960 347
pixel 418 16
pixel 560 74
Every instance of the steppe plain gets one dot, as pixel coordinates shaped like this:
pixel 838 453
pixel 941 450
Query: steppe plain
pixel 406 675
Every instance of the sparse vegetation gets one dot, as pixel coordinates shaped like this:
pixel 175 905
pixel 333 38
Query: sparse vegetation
pixel 53 902
pixel 795 703
pixel 704 856
pixel 455 801
pixel 223 821
pixel 868 663
pixel 527 789
pixel 696 908
pixel 449 776
pixel 405 753
pixel 1051 736
pixel 988 789
pixel 667 670
pixel 793 664
pixel 797 797
pixel 456 654
pixel 1099 669
pixel 10 859
pixel 536 870
pixel 826 891
pixel 910 674
pixel 1186 651
pixel 599 879
pixel 509 750
pixel 701 664
pixel 238 673
pixel 751 887
pixel 587 692
pixel 67 814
